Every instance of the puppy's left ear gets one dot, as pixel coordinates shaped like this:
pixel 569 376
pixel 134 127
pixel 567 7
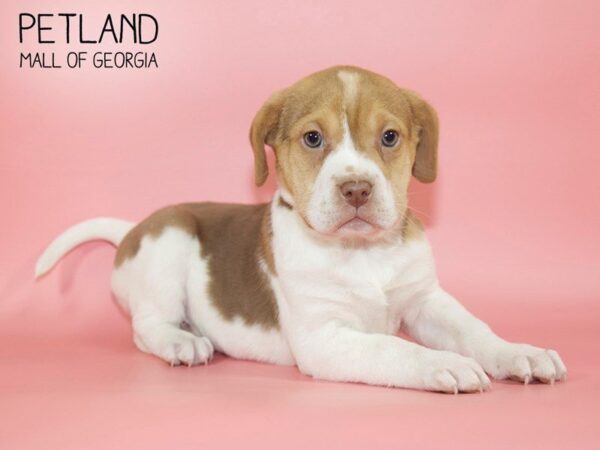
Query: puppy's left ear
pixel 262 132
pixel 425 165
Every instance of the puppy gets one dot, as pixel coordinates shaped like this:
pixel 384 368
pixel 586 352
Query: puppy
pixel 326 274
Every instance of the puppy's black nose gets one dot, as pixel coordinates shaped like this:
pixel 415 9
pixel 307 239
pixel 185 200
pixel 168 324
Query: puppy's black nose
pixel 356 193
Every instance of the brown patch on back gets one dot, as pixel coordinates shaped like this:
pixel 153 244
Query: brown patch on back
pixel 233 238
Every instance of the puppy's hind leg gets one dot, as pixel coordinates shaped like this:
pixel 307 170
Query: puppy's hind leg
pixel 156 333
pixel 157 297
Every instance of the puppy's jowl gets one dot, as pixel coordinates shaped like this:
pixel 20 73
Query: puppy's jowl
pixel 326 274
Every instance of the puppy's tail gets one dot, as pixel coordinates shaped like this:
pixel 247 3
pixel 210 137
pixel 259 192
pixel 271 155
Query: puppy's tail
pixel 101 228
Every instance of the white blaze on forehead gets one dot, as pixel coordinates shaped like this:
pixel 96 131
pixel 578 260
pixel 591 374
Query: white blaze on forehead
pixel 350 85
pixel 346 155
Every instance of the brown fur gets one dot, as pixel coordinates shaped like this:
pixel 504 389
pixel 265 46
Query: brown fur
pixel 412 228
pixel 233 238
pixel 284 204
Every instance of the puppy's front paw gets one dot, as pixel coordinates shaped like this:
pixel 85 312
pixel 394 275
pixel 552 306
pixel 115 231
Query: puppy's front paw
pixel 526 363
pixel 452 373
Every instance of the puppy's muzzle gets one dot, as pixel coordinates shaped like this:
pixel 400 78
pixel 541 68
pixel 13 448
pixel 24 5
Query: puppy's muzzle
pixel 356 193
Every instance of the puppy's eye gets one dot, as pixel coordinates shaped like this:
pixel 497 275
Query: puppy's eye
pixel 313 139
pixel 389 138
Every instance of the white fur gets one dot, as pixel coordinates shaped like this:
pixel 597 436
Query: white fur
pixel 101 228
pixel 350 83
pixel 152 287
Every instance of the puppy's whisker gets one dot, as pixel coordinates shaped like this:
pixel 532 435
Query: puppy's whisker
pixel 419 211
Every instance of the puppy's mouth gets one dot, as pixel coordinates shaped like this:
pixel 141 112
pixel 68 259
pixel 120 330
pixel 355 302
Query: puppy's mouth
pixel 350 222
pixel 356 225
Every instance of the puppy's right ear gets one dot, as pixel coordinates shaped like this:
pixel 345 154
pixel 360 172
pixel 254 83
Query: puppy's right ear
pixel 263 132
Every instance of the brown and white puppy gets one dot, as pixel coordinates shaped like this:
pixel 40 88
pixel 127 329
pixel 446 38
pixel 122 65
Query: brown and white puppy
pixel 327 273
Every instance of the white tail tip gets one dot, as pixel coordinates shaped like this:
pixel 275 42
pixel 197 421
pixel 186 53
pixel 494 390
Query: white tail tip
pixel 102 228
pixel 41 267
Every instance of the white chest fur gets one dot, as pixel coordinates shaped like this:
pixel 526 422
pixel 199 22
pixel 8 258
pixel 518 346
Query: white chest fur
pixel 323 280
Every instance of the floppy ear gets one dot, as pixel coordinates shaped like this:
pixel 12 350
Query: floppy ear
pixel 425 166
pixel 263 131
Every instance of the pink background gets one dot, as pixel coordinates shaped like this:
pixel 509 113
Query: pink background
pixel 513 218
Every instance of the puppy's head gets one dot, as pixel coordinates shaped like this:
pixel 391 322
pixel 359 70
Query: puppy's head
pixel 346 142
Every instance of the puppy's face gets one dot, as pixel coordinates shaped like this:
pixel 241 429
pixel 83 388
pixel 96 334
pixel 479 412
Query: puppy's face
pixel 346 142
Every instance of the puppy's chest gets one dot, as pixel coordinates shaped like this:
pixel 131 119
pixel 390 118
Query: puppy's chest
pixel 379 283
pixel 366 286
pixel 383 268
